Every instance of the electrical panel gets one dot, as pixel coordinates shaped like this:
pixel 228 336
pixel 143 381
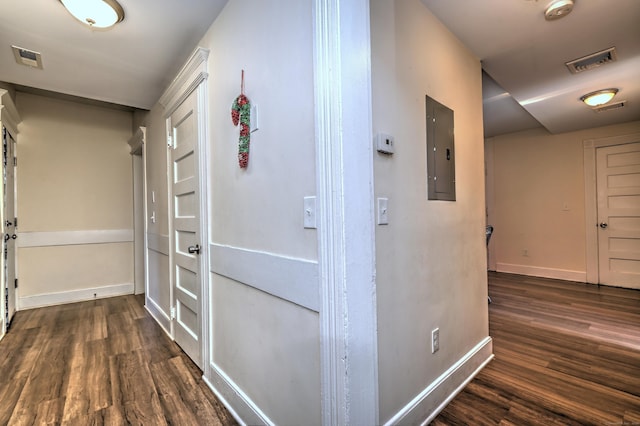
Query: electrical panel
pixel 441 160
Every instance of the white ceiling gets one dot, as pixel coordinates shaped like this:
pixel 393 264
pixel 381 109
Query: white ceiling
pixel 525 55
pixel 129 64
pixel 133 62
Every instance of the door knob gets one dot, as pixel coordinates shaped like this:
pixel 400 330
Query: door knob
pixel 194 249
pixel 603 225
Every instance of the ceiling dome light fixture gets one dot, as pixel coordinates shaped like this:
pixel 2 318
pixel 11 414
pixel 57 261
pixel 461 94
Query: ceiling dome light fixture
pixel 599 97
pixel 99 14
pixel 558 9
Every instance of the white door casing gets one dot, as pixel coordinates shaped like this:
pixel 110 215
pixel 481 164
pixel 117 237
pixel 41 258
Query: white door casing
pixel 9 119
pixel 591 198
pixel 618 193
pixel 346 246
pixel 189 88
pixel 138 158
pixel 187 239
pixel 8 226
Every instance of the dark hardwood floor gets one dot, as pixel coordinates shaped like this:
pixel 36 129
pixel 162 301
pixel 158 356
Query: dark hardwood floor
pixel 565 354
pixel 100 362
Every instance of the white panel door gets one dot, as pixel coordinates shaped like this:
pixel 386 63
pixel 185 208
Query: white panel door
pixel 9 227
pixel 618 186
pixel 185 216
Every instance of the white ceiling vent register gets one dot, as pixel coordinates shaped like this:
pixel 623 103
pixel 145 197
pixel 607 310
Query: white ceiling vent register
pixel 592 61
pixel 27 57
pixel 609 107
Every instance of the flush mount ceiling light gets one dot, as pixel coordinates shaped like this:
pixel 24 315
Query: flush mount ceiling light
pixel 599 97
pixel 557 9
pixel 95 13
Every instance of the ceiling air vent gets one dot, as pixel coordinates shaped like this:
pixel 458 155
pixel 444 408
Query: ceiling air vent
pixel 27 57
pixel 592 61
pixel 609 107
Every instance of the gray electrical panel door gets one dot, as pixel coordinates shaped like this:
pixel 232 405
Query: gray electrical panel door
pixel 441 160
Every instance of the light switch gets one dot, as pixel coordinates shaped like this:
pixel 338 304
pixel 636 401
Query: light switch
pixel 383 212
pixel 310 212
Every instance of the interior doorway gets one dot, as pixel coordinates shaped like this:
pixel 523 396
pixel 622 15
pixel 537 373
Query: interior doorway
pixel 187 239
pixel 618 193
pixel 612 209
pixel 9 226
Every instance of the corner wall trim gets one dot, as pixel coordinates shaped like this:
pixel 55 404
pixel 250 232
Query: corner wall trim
pixel 295 280
pixel 71 296
pixel 538 271
pixel 158 314
pixel 241 407
pixel 70 238
pixel 431 401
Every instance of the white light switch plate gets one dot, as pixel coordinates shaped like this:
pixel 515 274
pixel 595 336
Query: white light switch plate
pixel 310 212
pixel 383 212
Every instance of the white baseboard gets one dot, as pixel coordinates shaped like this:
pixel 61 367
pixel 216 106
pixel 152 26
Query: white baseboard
pixel 71 296
pixel 432 400
pixel 161 317
pixel 537 271
pixel 241 407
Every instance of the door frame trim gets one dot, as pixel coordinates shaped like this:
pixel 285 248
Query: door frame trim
pixel 137 142
pixel 192 78
pixel 9 118
pixel 346 230
pixel 591 198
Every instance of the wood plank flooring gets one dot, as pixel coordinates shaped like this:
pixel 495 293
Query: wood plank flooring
pixel 104 362
pixel 565 354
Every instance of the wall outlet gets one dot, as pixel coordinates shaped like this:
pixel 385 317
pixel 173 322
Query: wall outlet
pixel 435 340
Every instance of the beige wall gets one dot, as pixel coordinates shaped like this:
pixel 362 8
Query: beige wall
pixel 537 200
pixel 431 257
pixel 74 174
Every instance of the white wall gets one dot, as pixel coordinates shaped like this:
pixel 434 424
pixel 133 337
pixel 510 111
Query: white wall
pixel 264 338
pixel 263 281
pixel 538 200
pixel 431 264
pixel 74 201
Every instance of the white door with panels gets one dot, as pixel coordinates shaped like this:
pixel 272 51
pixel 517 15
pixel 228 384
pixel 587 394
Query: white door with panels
pixel 618 193
pixel 185 217
pixel 9 225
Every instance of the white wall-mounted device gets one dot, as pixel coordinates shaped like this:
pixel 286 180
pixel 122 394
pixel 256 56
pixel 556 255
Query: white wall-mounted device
pixel 385 143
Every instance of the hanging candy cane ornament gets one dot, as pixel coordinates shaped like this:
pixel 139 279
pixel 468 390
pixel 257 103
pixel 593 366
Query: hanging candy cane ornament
pixel 241 114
